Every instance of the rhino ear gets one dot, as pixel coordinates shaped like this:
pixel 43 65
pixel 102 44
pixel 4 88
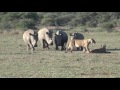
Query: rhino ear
pixel 30 34
pixel 36 34
pixel 70 34
pixel 51 31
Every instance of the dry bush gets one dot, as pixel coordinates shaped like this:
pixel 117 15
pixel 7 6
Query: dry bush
pixel 13 31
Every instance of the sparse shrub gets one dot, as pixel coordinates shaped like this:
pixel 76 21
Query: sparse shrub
pixel 50 15
pixel 26 24
pixel 84 29
pixel 118 23
pixel 91 24
pixel 47 21
pixel 29 15
pixel 10 16
pixel 6 25
pixel 74 22
pixel 114 22
pixel 108 26
pixel 63 20
pixel 24 20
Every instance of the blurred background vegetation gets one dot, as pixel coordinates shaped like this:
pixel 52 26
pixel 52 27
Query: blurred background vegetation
pixel 34 20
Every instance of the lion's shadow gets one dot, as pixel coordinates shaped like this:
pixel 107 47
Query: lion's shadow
pixel 115 49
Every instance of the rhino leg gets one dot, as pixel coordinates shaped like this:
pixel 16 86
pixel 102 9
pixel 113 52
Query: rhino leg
pixel 28 47
pixel 78 48
pixel 31 46
pixel 62 47
pixel 42 44
pixel 71 49
pixel 81 48
pixel 65 45
pixel 46 45
pixel 56 47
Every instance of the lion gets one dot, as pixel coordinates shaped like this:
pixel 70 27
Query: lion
pixel 100 50
pixel 78 43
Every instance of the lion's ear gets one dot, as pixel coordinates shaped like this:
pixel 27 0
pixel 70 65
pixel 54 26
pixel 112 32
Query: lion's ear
pixel 89 40
pixel 104 45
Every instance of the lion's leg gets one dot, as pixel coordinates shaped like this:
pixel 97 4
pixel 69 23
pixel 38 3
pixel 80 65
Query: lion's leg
pixel 84 49
pixel 87 48
pixel 67 47
pixel 72 47
pixel 66 50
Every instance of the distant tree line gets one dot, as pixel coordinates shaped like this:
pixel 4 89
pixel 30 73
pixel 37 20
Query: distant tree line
pixel 25 20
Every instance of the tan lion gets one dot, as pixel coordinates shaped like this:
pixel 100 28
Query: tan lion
pixel 78 43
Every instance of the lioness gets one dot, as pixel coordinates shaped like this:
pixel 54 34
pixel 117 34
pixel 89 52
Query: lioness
pixel 78 43
pixel 100 50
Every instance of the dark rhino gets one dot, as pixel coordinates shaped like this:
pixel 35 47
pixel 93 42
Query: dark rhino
pixel 45 37
pixel 30 37
pixel 60 39
pixel 77 35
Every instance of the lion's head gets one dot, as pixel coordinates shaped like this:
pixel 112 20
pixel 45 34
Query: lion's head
pixel 103 46
pixel 91 40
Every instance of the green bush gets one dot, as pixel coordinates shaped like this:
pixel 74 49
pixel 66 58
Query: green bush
pixel 108 25
pixel 26 24
pixel 47 21
pixel 10 16
pixel 14 20
pixel 50 15
pixel 118 23
pixel 6 25
pixel 84 29
pixel 63 20
pixel 29 15
pixel 74 22
pixel 91 24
